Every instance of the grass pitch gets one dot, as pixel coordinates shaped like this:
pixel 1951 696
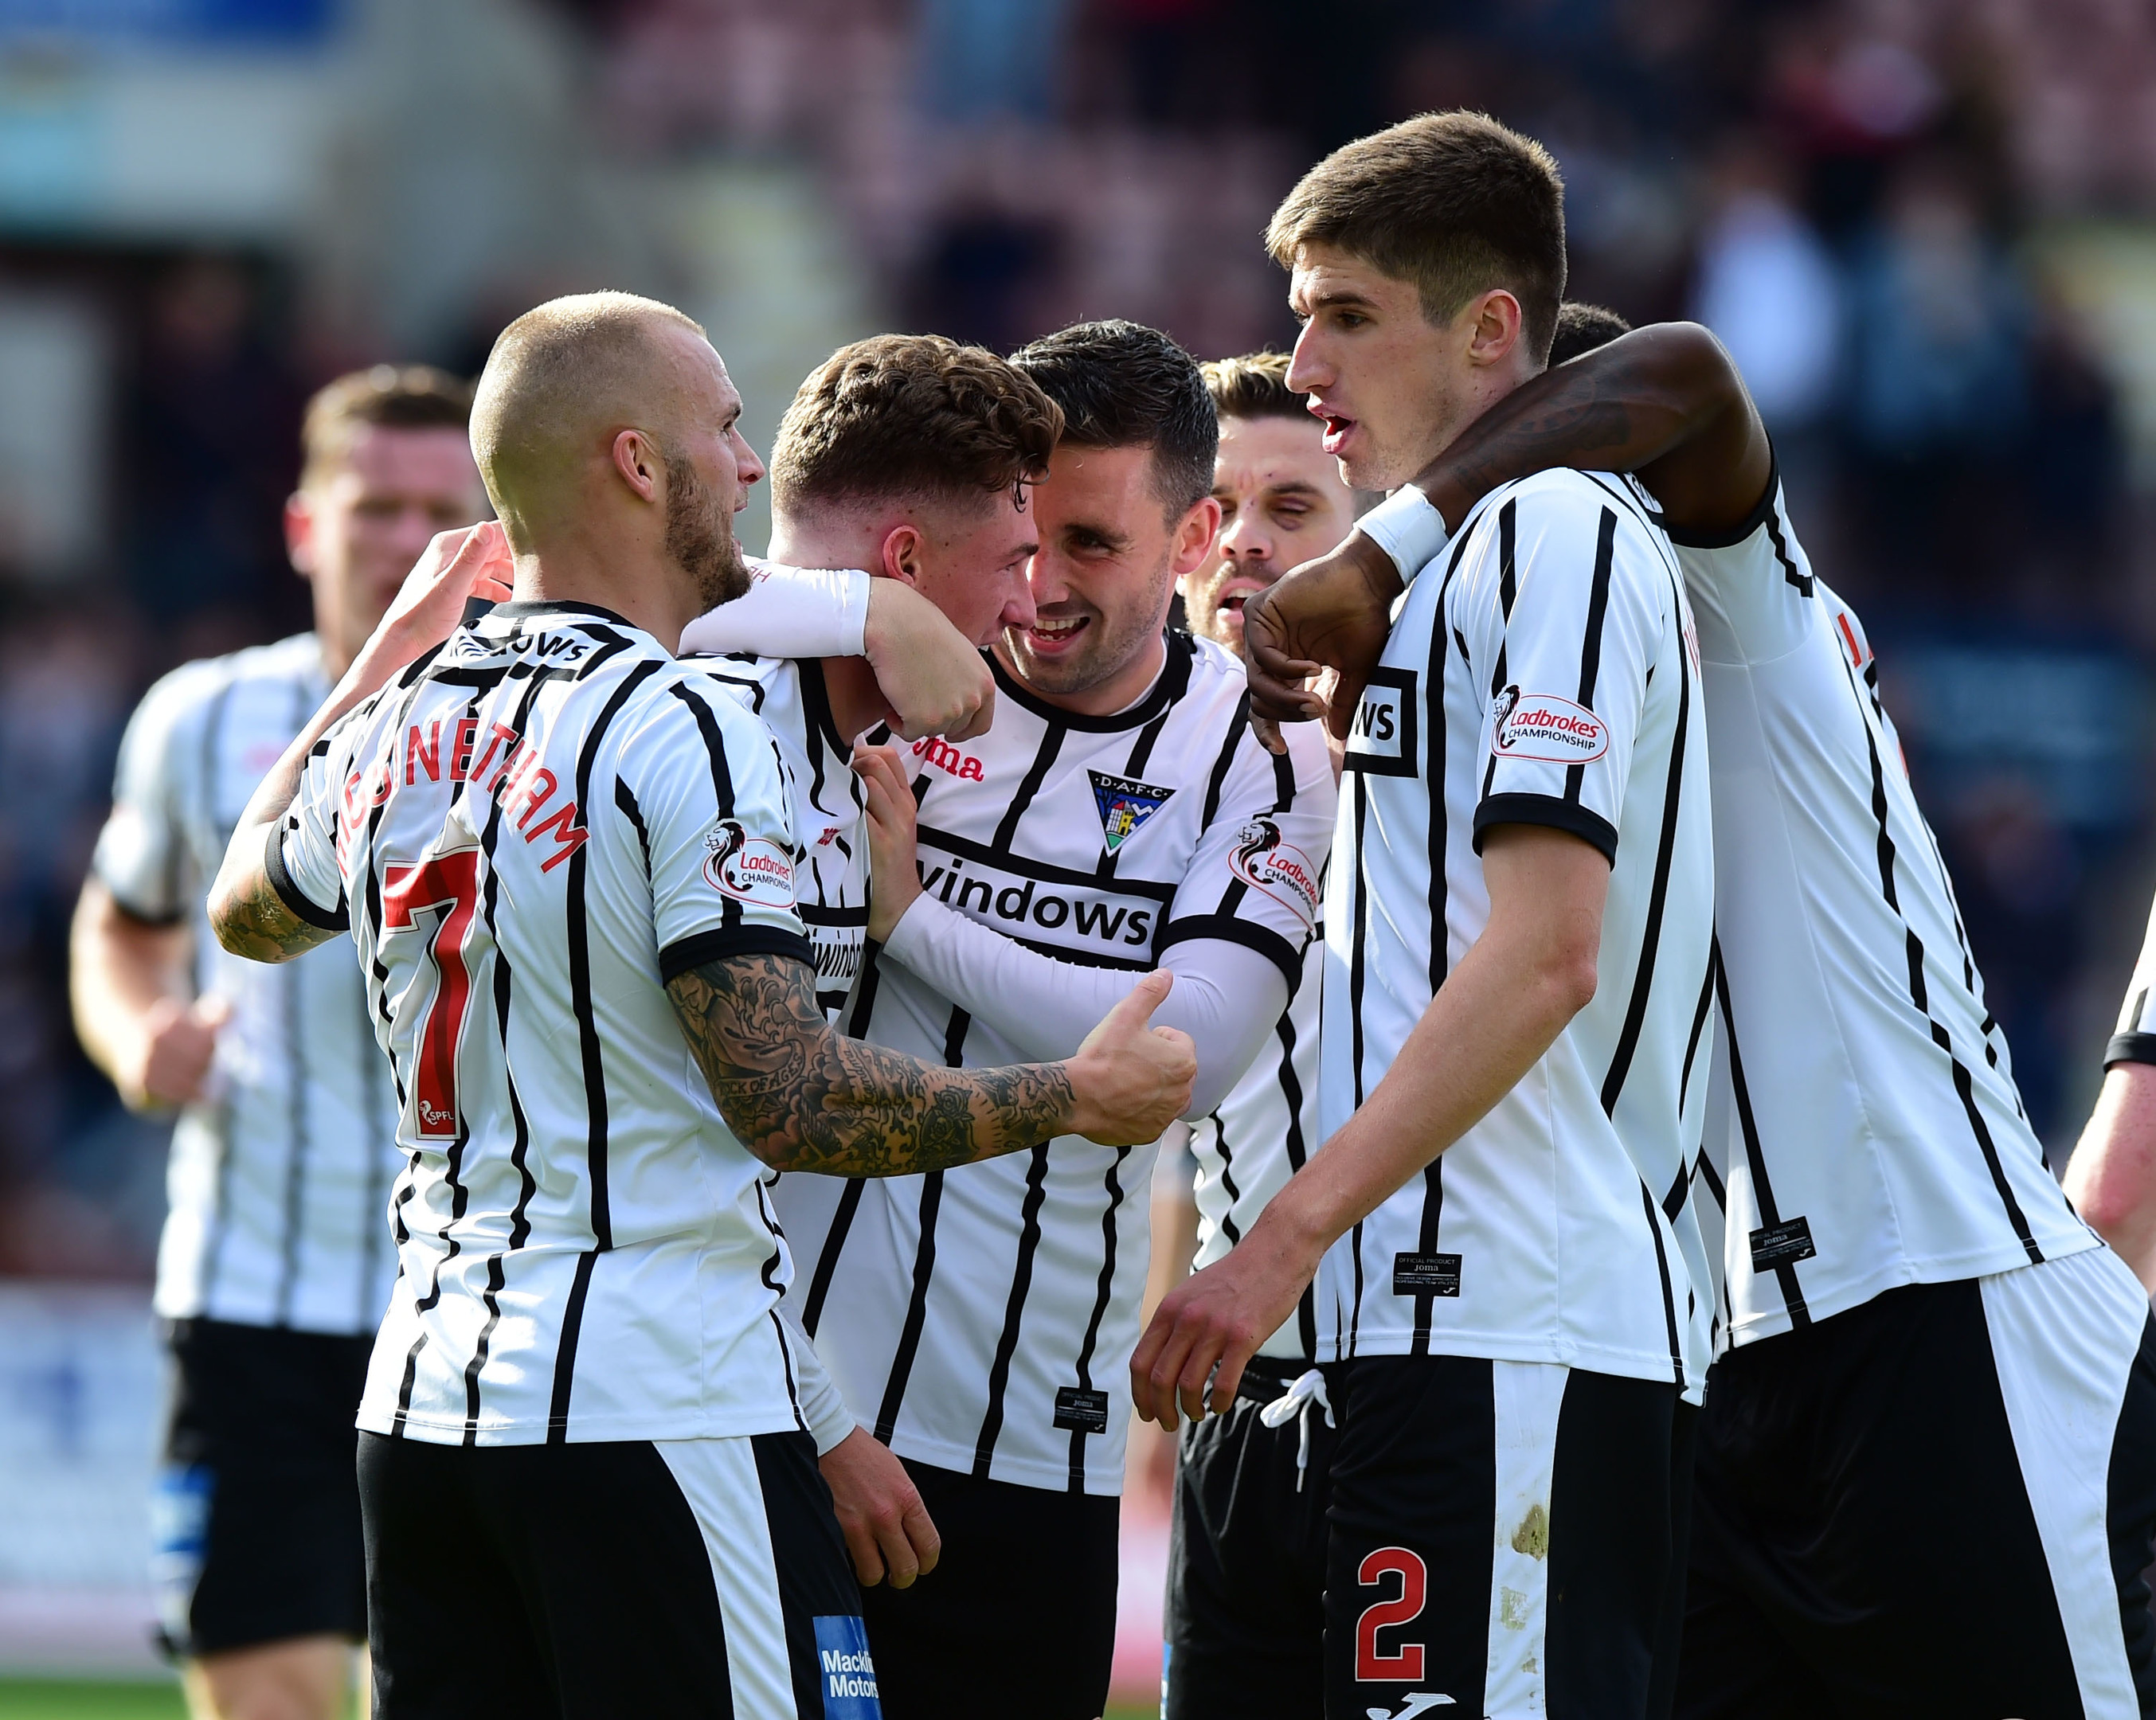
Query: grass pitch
pixel 56 1699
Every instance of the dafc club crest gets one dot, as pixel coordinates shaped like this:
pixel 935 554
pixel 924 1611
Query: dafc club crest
pixel 1125 806
pixel 1280 869
pixel 746 867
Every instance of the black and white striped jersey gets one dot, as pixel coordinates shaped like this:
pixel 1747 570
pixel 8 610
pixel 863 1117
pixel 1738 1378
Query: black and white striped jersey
pixel 1254 1140
pixel 831 859
pixel 981 1319
pixel 535 829
pixel 279 1181
pixel 1544 671
pixel 1862 1110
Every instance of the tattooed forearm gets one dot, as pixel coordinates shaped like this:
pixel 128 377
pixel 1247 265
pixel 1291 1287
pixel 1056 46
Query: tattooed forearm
pixel 251 920
pixel 802 1097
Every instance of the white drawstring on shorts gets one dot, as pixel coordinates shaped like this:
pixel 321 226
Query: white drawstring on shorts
pixel 1306 1390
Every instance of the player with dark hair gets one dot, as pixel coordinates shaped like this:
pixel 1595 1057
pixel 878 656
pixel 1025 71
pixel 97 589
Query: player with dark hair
pixel 1930 1365
pixel 1117 813
pixel 1245 1614
pixel 275 1262
pixel 1582 328
pixel 1517 945
pixel 1281 499
pixel 566 861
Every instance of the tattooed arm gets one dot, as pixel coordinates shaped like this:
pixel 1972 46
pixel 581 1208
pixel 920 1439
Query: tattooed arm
pixel 1665 402
pixel 802 1097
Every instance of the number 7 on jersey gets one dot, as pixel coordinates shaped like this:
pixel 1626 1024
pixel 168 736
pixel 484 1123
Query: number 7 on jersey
pixel 448 883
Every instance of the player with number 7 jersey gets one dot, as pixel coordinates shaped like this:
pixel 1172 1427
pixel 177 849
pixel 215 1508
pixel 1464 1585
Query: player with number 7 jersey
pixel 566 861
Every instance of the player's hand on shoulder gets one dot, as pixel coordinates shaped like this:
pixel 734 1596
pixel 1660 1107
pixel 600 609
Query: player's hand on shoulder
pixel 1131 1080
pixel 471 561
pixel 1333 612
pixel 933 676
pixel 888 1531
pixel 179 1043
pixel 895 869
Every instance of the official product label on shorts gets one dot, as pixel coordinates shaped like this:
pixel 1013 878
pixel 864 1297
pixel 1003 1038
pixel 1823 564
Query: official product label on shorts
pixel 1078 1411
pixel 1425 1275
pixel 845 1669
pixel 1781 1244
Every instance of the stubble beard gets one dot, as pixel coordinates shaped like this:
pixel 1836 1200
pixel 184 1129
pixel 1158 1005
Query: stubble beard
pixel 1106 655
pixel 699 537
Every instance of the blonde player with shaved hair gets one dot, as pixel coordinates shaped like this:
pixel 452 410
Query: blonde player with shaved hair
pixel 588 1441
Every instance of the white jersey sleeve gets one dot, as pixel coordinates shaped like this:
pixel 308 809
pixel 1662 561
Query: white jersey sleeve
pixel 788 612
pixel 717 838
pixel 1254 879
pixel 141 853
pixel 304 859
pixel 1226 996
pixel 1570 650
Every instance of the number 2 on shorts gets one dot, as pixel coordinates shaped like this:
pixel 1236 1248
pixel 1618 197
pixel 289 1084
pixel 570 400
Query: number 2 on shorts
pixel 1406 1667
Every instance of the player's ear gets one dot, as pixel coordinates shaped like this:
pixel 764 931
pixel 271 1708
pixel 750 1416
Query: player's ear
pixel 901 557
pixel 637 462
pixel 1194 537
pixel 300 532
pixel 1498 323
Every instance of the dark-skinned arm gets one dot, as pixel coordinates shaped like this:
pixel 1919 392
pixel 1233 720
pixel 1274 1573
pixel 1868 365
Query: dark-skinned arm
pixel 1666 402
pixel 802 1097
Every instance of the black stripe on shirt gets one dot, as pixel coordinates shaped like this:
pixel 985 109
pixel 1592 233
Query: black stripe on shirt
pixel 1106 1285
pixel 1029 1244
pixel 916 1308
pixel 1763 1190
pixel 564 1351
pixel 1590 644
pixel 1965 1084
pixel 1229 929
pixel 592 1057
pixel 827 1260
pixel 1658 894
pixel 1044 761
pixel 924 1256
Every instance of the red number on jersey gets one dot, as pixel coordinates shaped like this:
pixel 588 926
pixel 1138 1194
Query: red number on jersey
pixel 449 882
pixel 1406 1665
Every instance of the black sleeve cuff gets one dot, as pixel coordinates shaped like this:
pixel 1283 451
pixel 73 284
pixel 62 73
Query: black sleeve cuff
pixel 288 891
pixel 2130 1048
pixel 1228 929
pixel 699 947
pixel 1590 827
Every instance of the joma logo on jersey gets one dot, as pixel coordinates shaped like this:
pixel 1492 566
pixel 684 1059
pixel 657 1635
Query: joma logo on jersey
pixel 944 757
pixel 1381 740
pixel 1546 728
pixel 1281 870
pixel 746 867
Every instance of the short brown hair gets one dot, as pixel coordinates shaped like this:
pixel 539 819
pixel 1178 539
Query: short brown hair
pixel 397 396
pixel 911 415
pixel 1254 385
pixel 1455 202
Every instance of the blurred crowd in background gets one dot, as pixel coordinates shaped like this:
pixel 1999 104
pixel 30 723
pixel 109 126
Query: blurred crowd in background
pixel 1926 230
